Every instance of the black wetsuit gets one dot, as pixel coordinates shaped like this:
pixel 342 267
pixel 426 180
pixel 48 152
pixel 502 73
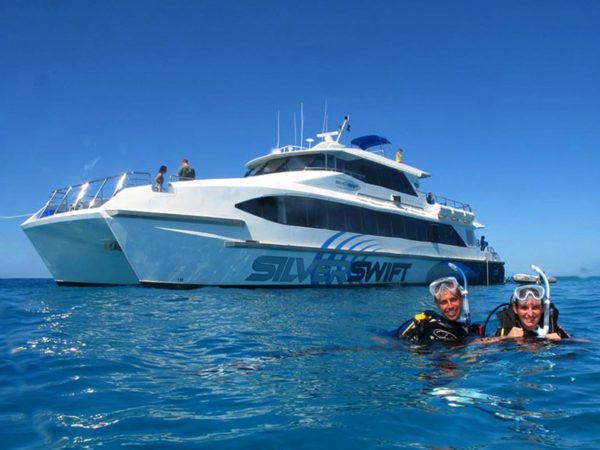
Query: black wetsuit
pixel 508 320
pixel 429 326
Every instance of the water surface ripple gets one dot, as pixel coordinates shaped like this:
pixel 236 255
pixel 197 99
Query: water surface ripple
pixel 306 368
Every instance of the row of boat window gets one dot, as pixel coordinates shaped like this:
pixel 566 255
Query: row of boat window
pixel 362 169
pixel 317 213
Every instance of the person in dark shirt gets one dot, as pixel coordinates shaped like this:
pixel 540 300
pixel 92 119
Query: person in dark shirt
pixel 159 179
pixel 483 243
pixel 447 326
pixel 186 172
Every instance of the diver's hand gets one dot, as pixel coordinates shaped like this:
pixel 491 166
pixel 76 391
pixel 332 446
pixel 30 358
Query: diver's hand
pixel 515 332
pixel 553 336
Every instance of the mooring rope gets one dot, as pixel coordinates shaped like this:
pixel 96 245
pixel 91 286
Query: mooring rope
pixel 16 217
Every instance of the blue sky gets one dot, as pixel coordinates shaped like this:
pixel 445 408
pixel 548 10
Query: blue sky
pixel 500 101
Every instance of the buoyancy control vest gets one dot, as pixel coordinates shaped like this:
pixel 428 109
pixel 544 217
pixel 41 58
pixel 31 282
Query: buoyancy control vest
pixel 507 320
pixel 429 326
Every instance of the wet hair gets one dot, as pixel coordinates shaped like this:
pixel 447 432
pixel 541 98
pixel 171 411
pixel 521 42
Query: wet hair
pixel 162 169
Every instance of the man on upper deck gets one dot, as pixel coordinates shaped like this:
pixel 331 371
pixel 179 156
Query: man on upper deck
pixel 186 172
pixel 483 244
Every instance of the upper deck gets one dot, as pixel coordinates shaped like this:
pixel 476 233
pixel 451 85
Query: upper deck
pixel 385 180
pixel 362 163
pixel 90 194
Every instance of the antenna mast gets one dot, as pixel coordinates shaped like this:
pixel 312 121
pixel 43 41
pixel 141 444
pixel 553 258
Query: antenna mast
pixel 325 118
pixel 295 132
pixel 301 123
pixel 277 129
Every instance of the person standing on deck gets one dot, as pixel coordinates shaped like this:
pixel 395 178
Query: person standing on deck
pixel 186 172
pixel 399 155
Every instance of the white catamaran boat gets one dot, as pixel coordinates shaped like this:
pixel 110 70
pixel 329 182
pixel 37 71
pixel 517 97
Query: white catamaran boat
pixel 319 216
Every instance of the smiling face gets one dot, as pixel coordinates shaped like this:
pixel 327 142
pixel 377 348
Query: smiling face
pixel 529 312
pixel 449 304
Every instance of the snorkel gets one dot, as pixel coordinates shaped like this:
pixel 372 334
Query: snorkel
pixel 543 331
pixel 465 293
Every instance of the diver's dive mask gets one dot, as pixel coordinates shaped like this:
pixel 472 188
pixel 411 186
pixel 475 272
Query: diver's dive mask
pixel 533 291
pixel 449 284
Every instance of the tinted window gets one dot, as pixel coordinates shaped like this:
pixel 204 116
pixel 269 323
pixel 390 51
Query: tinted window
pixel 265 207
pixel 367 171
pixel 379 175
pixel 361 169
pixel 298 162
pixel 317 213
pixel 353 219
pixel 296 212
pixel 369 220
pixel 411 228
pixel 433 232
pixel 318 161
pixel 398 226
pixel 384 224
pixel 335 216
pixel 275 165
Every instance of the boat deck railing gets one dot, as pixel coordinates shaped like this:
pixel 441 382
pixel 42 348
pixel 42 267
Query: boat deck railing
pixel 289 148
pixel 91 194
pixel 175 178
pixel 449 202
pixel 296 148
pixel 491 254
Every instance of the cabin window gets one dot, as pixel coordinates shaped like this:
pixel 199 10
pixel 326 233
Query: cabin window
pixel 433 232
pixel 384 224
pixel 296 213
pixel 369 222
pixel 470 238
pixel 361 169
pixel 353 219
pixel 335 216
pixel 316 213
pixel 295 163
pixel 340 165
pixel 398 226
pixel 275 165
pixel 318 161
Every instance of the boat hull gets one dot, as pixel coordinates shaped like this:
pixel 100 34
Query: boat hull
pixel 80 250
pixel 293 270
pixel 524 278
pixel 191 254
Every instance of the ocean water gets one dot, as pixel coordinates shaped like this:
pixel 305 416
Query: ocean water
pixel 309 368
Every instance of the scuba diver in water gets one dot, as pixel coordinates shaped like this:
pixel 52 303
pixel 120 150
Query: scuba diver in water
pixel 525 313
pixel 429 326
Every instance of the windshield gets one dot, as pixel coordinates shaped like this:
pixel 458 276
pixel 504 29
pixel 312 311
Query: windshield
pixel 364 170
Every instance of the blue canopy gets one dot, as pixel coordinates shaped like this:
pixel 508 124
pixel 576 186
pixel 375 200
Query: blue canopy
pixel 369 141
